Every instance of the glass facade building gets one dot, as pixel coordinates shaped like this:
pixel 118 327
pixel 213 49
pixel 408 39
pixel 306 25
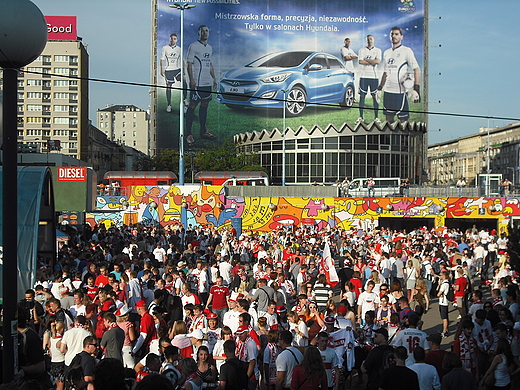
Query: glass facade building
pixel 326 156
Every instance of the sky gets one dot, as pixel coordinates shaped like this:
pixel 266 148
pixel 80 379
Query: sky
pixel 472 50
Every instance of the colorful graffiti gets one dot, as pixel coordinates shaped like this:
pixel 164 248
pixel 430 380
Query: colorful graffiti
pixel 208 205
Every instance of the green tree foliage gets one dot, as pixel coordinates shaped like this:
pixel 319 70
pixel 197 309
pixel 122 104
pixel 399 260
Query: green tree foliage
pixel 220 158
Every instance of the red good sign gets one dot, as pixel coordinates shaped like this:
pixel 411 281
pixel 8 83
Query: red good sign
pixel 72 173
pixel 61 28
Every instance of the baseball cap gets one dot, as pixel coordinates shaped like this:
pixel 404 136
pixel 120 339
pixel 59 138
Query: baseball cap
pixel 122 310
pixel 236 296
pixel 140 303
pixel 435 338
pixel 281 309
pixel 342 310
pixel 329 320
pixel 242 329
pixel 382 331
pixel 197 333
pixel 211 316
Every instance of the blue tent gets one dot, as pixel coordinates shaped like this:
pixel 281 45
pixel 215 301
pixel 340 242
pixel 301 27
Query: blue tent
pixel 36 224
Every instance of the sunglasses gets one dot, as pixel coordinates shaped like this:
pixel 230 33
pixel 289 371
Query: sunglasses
pixel 313 307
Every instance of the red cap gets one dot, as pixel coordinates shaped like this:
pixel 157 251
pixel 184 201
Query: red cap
pixel 140 303
pixel 242 329
pixel 329 320
pixel 281 309
pixel 211 316
pixel 342 310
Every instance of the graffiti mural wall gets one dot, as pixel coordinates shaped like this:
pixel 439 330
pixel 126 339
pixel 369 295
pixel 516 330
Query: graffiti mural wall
pixel 208 205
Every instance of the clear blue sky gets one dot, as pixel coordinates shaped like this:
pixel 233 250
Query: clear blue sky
pixel 478 57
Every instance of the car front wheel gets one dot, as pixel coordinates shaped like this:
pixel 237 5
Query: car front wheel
pixel 296 101
pixel 348 100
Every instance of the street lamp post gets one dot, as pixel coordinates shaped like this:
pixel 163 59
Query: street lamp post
pixel 182 8
pixel 283 135
pixel 23 36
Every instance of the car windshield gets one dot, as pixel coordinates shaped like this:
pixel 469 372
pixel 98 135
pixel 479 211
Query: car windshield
pixel 280 60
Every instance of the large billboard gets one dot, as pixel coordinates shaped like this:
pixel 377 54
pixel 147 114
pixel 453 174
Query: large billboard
pixel 251 65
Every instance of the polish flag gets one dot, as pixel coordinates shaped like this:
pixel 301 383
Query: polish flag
pixel 327 265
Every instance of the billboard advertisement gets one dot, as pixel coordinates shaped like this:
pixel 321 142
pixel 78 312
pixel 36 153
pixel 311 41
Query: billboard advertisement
pixel 251 65
pixel 61 28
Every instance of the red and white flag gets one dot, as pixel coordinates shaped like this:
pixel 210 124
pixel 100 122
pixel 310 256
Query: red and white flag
pixel 327 265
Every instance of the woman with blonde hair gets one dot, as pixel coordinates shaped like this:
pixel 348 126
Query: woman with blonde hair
pixel 410 276
pixel 179 336
pixel 122 315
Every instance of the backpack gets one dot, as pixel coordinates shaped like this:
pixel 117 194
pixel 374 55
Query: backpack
pixel 417 307
pixel 240 381
pixel 450 295
pixel 388 360
pixel 73 371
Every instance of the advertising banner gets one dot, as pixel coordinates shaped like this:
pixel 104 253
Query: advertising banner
pixel 61 28
pixel 249 65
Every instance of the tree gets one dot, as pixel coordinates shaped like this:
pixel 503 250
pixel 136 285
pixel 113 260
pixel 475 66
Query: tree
pixel 220 158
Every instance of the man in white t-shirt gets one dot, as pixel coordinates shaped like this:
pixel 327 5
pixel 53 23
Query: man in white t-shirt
pixel 72 341
pixel 202 79
pixel 442 292
pixel 348 56
pixel 330 360
pixel 225 270
pixel 368 300
pixel 170 66
pixel 159 253
pixel 396 80
pixel 286 360
pixel 369 59
pixel 411 338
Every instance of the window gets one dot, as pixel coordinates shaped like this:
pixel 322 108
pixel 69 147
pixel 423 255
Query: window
pixel 317 143
pixel 134 133
pixel 73 122
pixel 302 143
pixel 34 83
pixel 124 115
pixel 101 124
pixel 134 124
pixel 345 142
pixel 123 124
pixel 73 133
pixel 360 142
pixel 61 71
pixel 46 108
pixel 34 69
pixel 20 107
pixel 60 58
pixel 73 96
pixel 73 108
pixel 61 95
pixel 46 133
pixel 61 120
pixel 47 83
pixel 61 83
pixel 372 142
pixel 135 115
pixel 331 143
pixel 135 143
pixel 34 107
pixel 334 63
pixel 123 134
pixel 60 108
pixel 73 59
pixel 73 72
pixel 73 82
pixel 46 96
pixel 61 133
pixel 46 120
pixel 34 132
pixel 20 96
pixel 34 95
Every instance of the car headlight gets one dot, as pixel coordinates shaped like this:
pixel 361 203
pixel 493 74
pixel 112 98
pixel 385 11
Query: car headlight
pixel 277 78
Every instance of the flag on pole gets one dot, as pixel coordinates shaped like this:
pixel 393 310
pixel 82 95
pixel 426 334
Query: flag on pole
pixel 327 266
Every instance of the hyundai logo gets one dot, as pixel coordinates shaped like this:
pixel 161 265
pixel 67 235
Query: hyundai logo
pixel 235 83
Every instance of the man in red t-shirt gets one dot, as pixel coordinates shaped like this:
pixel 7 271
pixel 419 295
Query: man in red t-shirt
pixel 461 285
pixel 147 331
pixel 218 295
pixel 102 279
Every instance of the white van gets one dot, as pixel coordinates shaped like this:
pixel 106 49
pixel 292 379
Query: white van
pixel 250 181
pixel 385 186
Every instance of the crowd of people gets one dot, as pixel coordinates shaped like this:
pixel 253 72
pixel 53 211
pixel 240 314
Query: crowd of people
pixel 141 307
